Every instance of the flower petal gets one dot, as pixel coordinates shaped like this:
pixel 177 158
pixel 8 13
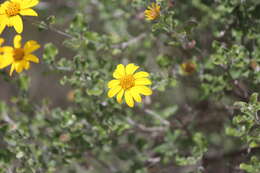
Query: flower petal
pixel 141 74
pixel 27 65
pixel 129 99
pixel 143 81
pixel 113 91
pixel 17 22
pixel 113 83
pixel 26 3
pixel 7 50
pixel 28 12
pixel 17 41
pixel 119 72
pixel 32 58
pixel 11 70
pixel 119 96
pixel 19 66
pixel 131 68
pixel 31 46
pixel 3 23
pixel 6 61
pixel 1 41
pixel 143 90
pixel 136 95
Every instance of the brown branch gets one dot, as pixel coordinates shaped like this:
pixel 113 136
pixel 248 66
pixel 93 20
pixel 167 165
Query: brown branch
pixel 129 42
pixel 215 158
pixel 143 128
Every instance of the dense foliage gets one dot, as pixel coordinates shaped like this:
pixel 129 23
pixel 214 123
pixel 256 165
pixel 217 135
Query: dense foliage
pixel 203 57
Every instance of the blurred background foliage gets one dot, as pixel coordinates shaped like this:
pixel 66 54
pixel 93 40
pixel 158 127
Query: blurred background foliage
pixel 202 117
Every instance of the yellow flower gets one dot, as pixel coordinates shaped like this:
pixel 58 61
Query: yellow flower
pixel 188 68
pixel 129 84
pixel 153 11
pixel 19 57
pixel 5 49
pixel 11 12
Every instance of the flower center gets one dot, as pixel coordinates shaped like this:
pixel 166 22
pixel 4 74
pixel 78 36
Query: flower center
pixel 18 54
pixel 13 9
pixel 189 67
pixel 155 13
pixel 127 81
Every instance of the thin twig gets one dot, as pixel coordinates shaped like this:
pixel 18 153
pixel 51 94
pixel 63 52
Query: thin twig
pixel 157 116
pixel 143 128
pixel 51 28
pixel 129 42
pixel 108 167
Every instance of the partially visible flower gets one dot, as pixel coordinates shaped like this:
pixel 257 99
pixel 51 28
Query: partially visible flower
pixel 71 95
pixel 11 12
pixel 4 49
pixel 152 12
pixel 19 57
pixel 254 65
pixel 188 68
pixel 129 84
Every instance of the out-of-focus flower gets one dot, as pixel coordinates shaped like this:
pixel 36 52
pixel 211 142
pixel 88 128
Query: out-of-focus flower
pixel 71 95
pixel 129 84
pixel 152 12
pixel 11 12
pixel 19 57
pixel 187 68
pixel 254 65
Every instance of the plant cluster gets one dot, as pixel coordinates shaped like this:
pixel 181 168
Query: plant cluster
pixel 187 73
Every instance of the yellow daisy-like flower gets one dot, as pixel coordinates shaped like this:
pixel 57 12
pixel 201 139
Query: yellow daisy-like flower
pixel 187 68
pixel 153 11
pixel 19 57
pixel 129 84
pixel 11 12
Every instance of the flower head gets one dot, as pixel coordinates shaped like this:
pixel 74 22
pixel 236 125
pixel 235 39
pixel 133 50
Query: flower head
pixel 3 49
pixel 11 12
pixel 188 68
pixel 19 57
pixel 152 12
pixel 129 84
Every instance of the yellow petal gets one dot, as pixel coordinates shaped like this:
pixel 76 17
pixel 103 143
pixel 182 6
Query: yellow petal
pixel 7 50
pixel 28 12
pixel 5 61
pixel 119 96
pixel 19 66
pixel 135 95
pixel 1 41
pixel 2 10
pixel 113 83
pixel 143 90
pixel 143 81
pixel 26 3
pixel 131 68
pixel 11 70
pixel 27 65
pixel 17 41
pixel 3 23
pixel 129 99
pixel 31 46
pixel 17 22
pixel 32 58
pixel 119 72
pixel 113 91
pixel 141 74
